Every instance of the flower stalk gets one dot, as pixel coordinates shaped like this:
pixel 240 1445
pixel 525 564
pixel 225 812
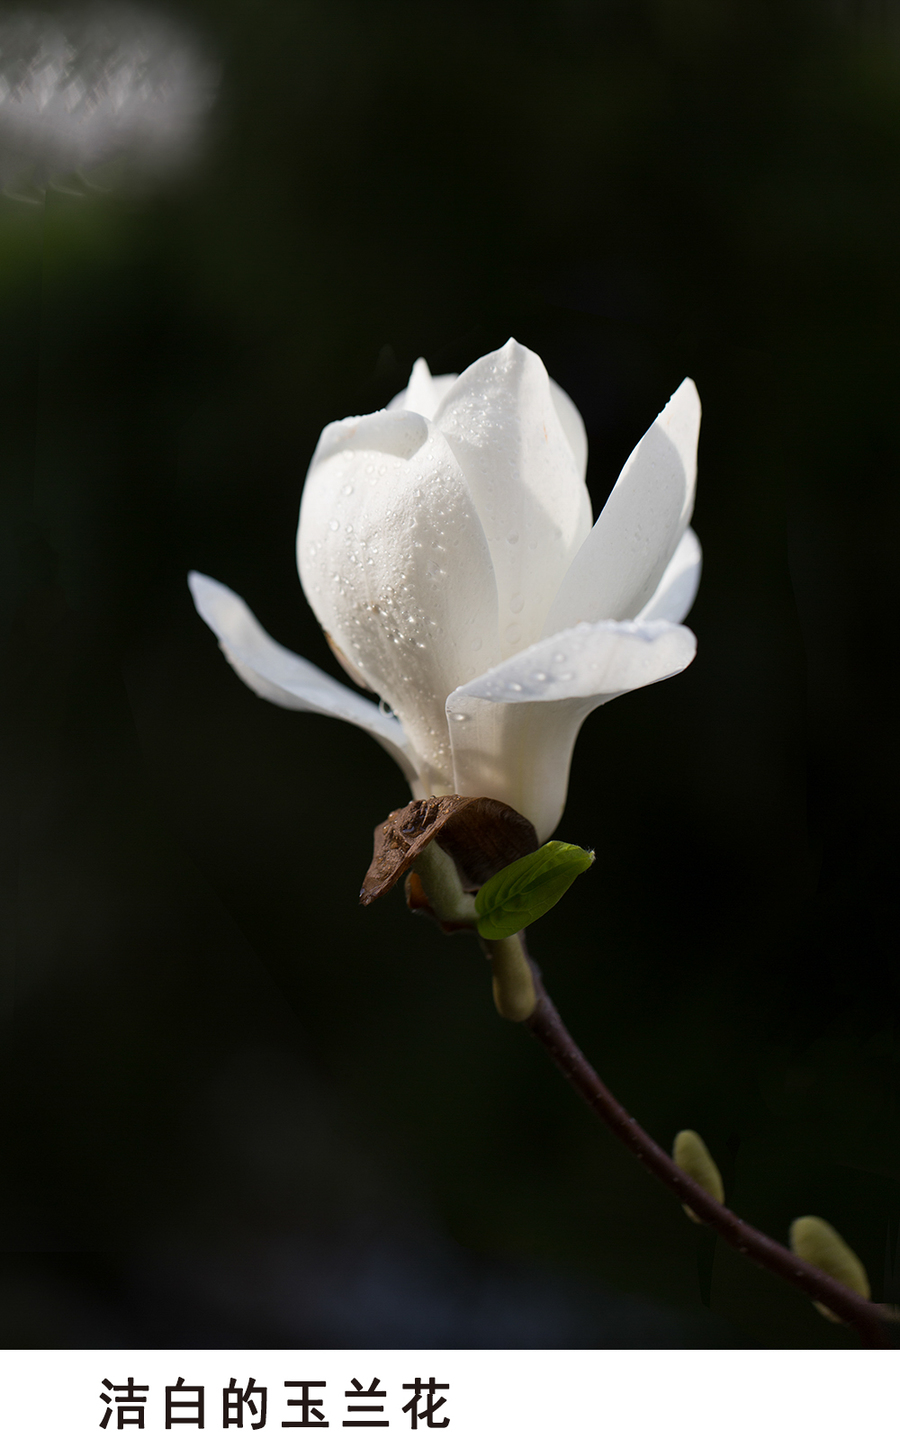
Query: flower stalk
pixel 547 1026
pixel 443 888
pixel 479 839
pixel 515 994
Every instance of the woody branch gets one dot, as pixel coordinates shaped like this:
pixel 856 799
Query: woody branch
pixel 547 1026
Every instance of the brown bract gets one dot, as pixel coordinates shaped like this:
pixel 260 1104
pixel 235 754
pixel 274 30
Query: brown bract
pixel 480 835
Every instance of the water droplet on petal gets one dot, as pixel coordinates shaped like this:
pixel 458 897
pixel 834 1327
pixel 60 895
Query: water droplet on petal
pixel 513 632
pixel 559 657
pixel 514 687
pixel 513 537
pixel 517 602
pixel 348 489
pixel 334 525
pixel 459 717
pixel 539 676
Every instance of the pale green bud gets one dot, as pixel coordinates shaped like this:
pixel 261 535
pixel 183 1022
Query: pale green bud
pixel 819 1244
pixel 693 1157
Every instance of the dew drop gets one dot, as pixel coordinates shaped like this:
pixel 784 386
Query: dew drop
pixel 513 632
pixel 566 676
pixel 348 489
pixel 334 525
pixel 514 687
pixel 559 657
pixel 517 602
pixel 539 676
pixel 459 717
pixel 513 537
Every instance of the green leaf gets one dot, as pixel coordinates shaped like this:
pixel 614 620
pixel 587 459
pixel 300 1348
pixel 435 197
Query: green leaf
pixel 528 888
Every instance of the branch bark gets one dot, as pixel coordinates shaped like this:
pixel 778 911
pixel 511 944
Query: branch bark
pixel 547 1026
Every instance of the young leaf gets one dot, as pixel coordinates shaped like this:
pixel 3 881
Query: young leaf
pixel 528 888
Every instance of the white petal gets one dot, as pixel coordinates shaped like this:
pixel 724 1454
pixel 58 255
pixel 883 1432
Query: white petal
pixel 514 728
pixel 424 392
pixel 505 431
pixel 573 425
pixel 395 566
pixel 284 678
pixel 675 594
pixel 622 561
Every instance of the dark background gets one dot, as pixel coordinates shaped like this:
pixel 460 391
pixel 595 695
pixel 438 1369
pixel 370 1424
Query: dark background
pixel 239 1111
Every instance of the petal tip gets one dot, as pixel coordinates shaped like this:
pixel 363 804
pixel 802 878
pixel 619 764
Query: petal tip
pixel 198 582
pixel 401 432
pixel 207 593
pixel 686 397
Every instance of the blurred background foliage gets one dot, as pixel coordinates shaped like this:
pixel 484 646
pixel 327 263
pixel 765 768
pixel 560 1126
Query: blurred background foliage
pixel 237 1110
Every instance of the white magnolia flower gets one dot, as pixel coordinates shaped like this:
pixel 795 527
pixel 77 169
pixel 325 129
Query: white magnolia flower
pixel 446 547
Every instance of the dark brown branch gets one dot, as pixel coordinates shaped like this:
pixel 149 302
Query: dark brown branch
pixel 546 1024
pixel 500 836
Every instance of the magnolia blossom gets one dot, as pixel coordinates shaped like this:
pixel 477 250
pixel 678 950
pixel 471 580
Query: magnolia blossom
pixel 446 546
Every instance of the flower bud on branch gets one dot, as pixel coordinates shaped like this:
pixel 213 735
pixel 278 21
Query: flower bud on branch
pixel 822 1246
pixel 693 1157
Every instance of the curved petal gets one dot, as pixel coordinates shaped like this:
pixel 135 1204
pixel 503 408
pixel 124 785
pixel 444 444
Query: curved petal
pixel 620 565
pixel 504 429
pixel 513 729
pixel 675 594
pixel 394 564
pixel 573 426
pixel 286 679
pixel 424 392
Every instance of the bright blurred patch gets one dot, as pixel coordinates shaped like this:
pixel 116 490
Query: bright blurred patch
pixel 109 86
